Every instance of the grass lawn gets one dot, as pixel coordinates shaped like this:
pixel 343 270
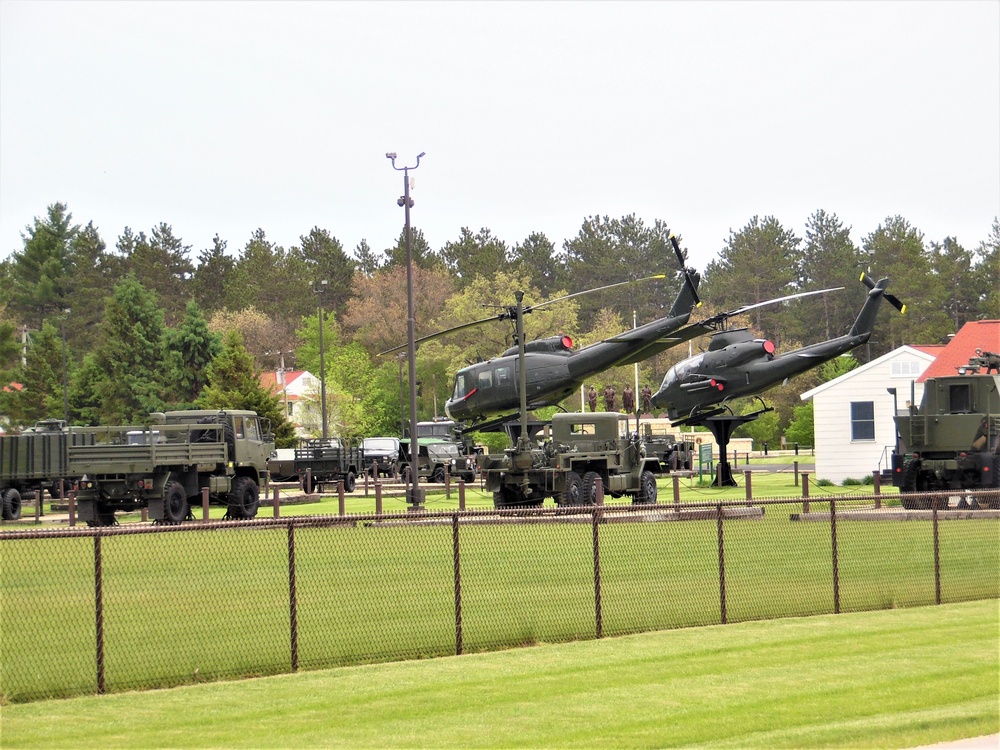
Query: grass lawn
pixel 888 679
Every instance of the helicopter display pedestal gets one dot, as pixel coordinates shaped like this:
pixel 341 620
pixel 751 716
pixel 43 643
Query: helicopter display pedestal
pixel 722 428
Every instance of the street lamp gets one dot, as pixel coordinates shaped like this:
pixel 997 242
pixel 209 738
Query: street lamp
pixel 319 287
pixel 416 496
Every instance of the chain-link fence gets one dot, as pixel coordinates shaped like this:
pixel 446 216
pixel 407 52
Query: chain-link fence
pixel 108 609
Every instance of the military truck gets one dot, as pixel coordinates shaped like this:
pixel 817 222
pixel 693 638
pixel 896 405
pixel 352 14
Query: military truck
pixel 325 461
pixel 673 454
pixel 164 466
pixel 31 462
pixel 381 455
pixel 951 441
pixel 565 465
pixel 437 457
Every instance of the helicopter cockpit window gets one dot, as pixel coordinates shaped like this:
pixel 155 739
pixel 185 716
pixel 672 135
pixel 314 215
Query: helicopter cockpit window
pixel 460 390
pixel 503 375
pixel 485 379
pixel 681 370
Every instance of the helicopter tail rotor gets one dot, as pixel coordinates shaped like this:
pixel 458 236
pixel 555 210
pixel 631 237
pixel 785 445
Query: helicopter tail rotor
pixel 690 275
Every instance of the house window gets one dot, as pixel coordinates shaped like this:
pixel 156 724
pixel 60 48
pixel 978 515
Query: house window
pixel 906 368
pixel 862 420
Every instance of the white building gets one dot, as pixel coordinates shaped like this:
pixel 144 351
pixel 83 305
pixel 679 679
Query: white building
pixel 853 414
pixel 298 391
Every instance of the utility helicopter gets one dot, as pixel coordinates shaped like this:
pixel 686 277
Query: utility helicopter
pixel 552 369
pixel 736 364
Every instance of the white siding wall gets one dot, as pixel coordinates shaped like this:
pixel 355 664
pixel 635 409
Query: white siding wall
pixel 838 457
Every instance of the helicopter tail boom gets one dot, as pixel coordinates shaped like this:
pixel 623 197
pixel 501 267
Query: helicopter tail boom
pixel 865 322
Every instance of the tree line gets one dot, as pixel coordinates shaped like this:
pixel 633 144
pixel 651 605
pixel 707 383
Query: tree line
pixel 105 335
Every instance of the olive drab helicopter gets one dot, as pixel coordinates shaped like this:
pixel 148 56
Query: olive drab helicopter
pixel 737 365
pixel 552 370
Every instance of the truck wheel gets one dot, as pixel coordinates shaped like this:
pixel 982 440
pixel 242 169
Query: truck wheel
pixel 908 484
pixel 175 503
pixel 243 498
pixel 572 494
pixel 11 505
pixel 438 475
pixel 647 489
pixel 590 487
pixel 350 482
pixel 54 489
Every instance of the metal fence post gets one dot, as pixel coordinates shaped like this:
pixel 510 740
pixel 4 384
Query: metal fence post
pixel 99 611
pixel 275 503
pixel 340 497
pixel 805 492
pixel 937 552
pixel 72 508
pixel 456 552
pixel 204 503
pixel 795 466
pixel 836 563
pixel 461 494
pixel 595 526
pixel 677 493
pixel 293 607
pixel 748 484
pixel 722 568
pixel 378 498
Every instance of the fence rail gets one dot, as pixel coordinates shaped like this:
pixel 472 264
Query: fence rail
pixel 131 607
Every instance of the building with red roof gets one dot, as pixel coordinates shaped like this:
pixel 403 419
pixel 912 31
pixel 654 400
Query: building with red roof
pixel 983 335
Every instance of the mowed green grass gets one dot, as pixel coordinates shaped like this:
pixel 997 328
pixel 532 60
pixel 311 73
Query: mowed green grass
pixel 190 605
pixel 887 679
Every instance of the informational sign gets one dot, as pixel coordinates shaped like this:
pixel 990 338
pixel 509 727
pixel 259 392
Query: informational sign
pixel 705 459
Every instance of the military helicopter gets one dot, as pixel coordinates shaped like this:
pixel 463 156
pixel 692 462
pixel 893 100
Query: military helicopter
pixel 736 364
pixel 552 369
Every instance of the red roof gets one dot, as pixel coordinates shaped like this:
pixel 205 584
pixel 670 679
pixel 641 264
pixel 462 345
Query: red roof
pixel 269 379
pixel 976 334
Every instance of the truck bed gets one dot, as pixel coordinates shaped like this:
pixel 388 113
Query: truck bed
pixel 121 450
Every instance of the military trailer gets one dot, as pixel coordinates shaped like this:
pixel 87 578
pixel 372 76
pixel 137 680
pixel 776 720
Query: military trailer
pixel 165 465
pixel 326 461
pixel 951 441
pixel 580 449
pixel 31 462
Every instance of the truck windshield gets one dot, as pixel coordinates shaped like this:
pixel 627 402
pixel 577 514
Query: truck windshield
pixel 387 445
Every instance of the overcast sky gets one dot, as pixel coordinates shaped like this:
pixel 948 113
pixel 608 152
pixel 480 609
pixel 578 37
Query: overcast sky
pixel 221 117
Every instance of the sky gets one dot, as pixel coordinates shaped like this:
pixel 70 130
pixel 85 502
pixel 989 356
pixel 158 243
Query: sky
pixel 224 117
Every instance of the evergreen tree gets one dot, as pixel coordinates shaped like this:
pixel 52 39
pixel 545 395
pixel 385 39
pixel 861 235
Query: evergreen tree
pixel 475 255
pixel 987 274
pixel 366 261
pixel 234 383
pixel 896 250
pixel 758 263
pixel 325 259
pixel 130 355
pixel 41 393
pixel 212 277
pixel 40 271
pixel 160 263
pixel 829 259
pixel 420 251
pixel 957 286
pixel 94 272
pixel 608 251
pixel 535 259
pixel 189 350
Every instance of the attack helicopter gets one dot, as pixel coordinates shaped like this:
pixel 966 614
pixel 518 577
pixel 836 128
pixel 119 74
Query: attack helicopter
pixel 736 364
pixel 552 370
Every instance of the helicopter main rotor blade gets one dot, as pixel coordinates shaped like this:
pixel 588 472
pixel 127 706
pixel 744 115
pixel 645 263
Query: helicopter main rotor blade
pixel 472 324
pixel 529 308
pixel 743 309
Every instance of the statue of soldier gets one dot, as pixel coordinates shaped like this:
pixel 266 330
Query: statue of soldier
pixel 628 399
pixel 592 398
pixel 647 396
pixel 609 398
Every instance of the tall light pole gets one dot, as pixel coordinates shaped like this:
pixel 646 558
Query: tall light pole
pixel 416 499
pixel 319 287
pixel 62 327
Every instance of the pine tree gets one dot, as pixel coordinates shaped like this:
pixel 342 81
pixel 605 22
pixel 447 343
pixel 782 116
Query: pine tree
pixel 189 350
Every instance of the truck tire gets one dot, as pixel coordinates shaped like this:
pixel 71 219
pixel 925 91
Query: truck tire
pixel 243 498
pixel 908 484
pixel 572 493
pixel 350 481
pixel 590 480
pixel 175 503
pixel 647 489
pixel 54 489
pixel 438 475
pixel 11 505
